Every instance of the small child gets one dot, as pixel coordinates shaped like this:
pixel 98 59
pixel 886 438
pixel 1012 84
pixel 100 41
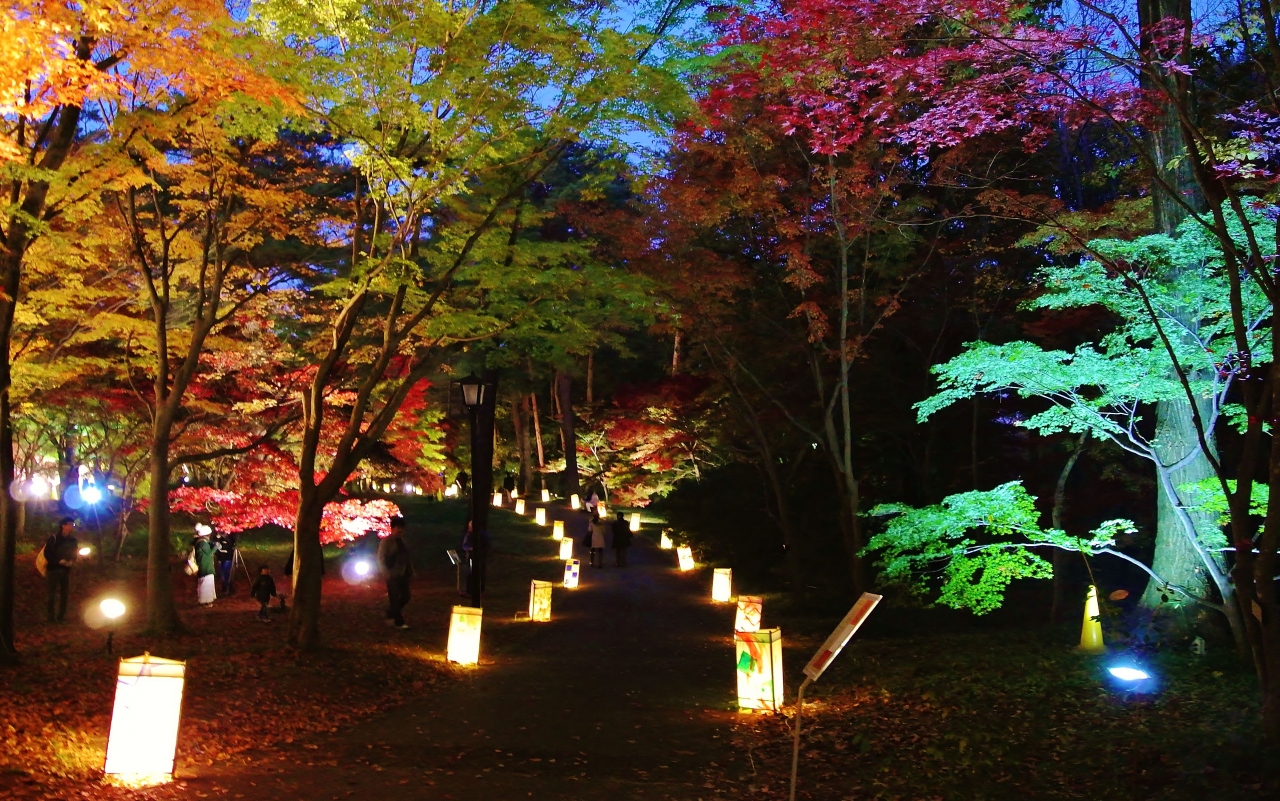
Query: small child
pixel 264 589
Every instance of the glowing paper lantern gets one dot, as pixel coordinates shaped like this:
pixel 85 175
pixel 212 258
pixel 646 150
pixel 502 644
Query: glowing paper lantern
pixel 635 521
pixel 540 601
pixel 575 502
pixel 750 610
pixel 540 516
pixel 722 585
pixel 666 542
pixel 497 499
pixel 759 669
pixel 519 506
pixel 546 495
pixel 571 568
pixel 566 548
pixel 557 529
pixel 602 510
pixel 464 635
pixel 144 720
pixel 1091 632
pixel 685 553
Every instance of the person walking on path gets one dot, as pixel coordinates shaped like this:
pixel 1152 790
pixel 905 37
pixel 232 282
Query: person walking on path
pixel 262 591
pixel 599 537
pixel 224 552
pixel 60 552
pixel 205 589
pixel 393 556
pixel 621 540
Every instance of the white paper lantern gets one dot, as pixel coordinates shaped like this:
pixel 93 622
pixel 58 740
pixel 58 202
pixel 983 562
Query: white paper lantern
pixel 575 502
pixel 635 521
pixel 497 499
pixel 519 506
pixel 666 543
pixel 540 516
pixel 566 548
pixel 557 530
pixel 571 568
pixel 759 669
pixel 464 635
pixel 144 719
pixel 685 554
pixel 750 610
pixel 722 585
pixel 540 601
pixel 546 495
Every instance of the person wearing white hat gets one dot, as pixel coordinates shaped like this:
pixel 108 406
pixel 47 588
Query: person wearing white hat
pixel 205 590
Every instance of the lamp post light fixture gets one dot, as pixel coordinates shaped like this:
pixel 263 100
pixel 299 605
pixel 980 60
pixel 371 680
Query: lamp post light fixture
pixel 112 609
pixel 478 396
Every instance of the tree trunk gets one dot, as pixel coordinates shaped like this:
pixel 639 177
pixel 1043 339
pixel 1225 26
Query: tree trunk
pixel 162 614
pixel 537 431
pixel 482 427
pixel 8 510
pixel 675 356
pixel 591 377
pixel 564 395
pixel 304 615
pixel 1061 558
pixel 519 414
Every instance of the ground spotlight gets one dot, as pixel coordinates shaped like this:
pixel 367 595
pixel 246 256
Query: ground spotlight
pixel 91 494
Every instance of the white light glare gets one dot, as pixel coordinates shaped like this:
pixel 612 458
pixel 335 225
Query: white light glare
pixel 85 551
pixel 1128 673
pixel 112 608
pixel 91 494
pixel 362 568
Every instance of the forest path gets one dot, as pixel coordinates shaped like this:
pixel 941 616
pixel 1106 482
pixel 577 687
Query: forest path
pixel 623 695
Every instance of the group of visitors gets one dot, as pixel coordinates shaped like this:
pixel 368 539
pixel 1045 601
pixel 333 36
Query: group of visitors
pixel 212 561
pixel 604 534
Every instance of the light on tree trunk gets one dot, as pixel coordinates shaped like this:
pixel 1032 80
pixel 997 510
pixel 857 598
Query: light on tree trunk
pixel 571 568
pixel 750 610
pixel 540 601
pixel 566 548
pixel 722 585
pixel 540 516
pixel 1091 632
pixel 759 668
pixel 144 719
pixel 546 495
pixel 557 530
pixel 665 543
pixel 685 553
pixel 497 499
pixel 520 506
pixel 635 521
pixel 464 635
pixel 575 502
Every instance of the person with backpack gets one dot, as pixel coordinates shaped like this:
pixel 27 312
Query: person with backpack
pixel 621 540
pixel 397 567
pixel 60 552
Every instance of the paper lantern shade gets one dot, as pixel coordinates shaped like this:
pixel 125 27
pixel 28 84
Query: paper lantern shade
pixel 566 548
pixel 571 568
pixel 144 719
pixel 666 542
pixel 546 496
pixel 685 553
pixel 759 668
pixel 750 610
pixel 540 516
pixel 519 506
pixel 557 529
pixel 540 601
pixel 602 510
pixel 635 521
pixel 464 635
pixel 497 499
pixel 575 502
pixel 722 585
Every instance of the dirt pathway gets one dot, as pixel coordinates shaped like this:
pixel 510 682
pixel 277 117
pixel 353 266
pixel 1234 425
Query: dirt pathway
pixel 623 695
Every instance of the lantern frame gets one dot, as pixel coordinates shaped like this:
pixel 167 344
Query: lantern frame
pixel 572 569
pixel 761 686
pixel 685 554
pixel 465 623
pixel 749 613
pixel 540 601
pixel 557 530
pixel 519 506
pixel 665 542
pixel 722 585
pixel 575 502
pixel 140 732
pixel 546 495
pixel 497 499
pixel 635 521
pixel 566 548
pixel 540 516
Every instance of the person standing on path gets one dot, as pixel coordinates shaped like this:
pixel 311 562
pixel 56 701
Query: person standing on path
pixel 60 552
pixel 262 591
pixel 224 552
pixel 393 556
pixel 621 540
pixel 205 589
pixel 599 539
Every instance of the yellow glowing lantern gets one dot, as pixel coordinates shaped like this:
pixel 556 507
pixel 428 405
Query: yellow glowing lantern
pixel 1091 631
pixel 685 553
pixel 666 543
pixel 566 548
pixel 722 584
pixel 750 610
pixel 602 510
pixel 571 568
pixel 546 495
pixel 519 506
pixel 759 669
pixel 635 521
pixel 557 529
pixel 144 720
pixel 497 499
pixel 540 601
pixel 464 635
pixel 540 516
pixel 575 502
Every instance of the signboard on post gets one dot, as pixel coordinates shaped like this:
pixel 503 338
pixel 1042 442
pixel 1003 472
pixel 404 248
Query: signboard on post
pixel 841 636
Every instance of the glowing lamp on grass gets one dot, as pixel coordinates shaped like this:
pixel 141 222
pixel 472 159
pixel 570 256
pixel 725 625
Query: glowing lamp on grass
pixel 575 502
pixel 635 521
pixel 685 554
pixel 750 610
pixel 144 719
pixel 602 510
pixel 1091 632
pixel 540 516
pixel 497 499
pixel 759 668
pixel 571 568
pixel 464 635
pixel 85 551
pixel 546 495
pixel 557 530
pixel 540 601
pixel 566 548
pixel 361 568
pixel 451 491
pixel 722 585
pixel 665 543
pixel 519 506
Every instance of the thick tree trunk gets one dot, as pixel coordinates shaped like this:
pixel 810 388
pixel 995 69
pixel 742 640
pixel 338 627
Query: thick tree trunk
pixel 519 415
pixel 675 356
pixel 162 614
pixel 1061 558
pixel 537 430
pixel 591 377
pixel 8 510
pixel 564 395
pixel 792 556
pixel 304 615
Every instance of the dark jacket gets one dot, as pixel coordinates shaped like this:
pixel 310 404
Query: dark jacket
pixel 393 555
pixel 61 552
pixel 224 547
pixel 621 534
pixel 264 588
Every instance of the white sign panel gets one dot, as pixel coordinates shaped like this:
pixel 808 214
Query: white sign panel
pixel 843 633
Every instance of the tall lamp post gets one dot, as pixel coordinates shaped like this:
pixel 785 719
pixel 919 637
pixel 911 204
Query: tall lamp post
pixel 479 395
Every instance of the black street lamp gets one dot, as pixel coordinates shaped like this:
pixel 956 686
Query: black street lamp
pixel 478 395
